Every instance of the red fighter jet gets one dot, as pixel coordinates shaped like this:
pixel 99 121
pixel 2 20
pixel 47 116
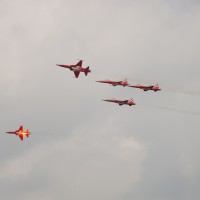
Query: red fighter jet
pixel 20 132
pixel 155 88
pixel 77 68
pixel 115 83
pixel 129 102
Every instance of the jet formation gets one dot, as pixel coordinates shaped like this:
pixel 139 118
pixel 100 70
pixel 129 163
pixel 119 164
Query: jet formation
pixel 77 69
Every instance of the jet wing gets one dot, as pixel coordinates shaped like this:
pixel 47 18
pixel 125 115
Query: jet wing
pixel 76 73
pixel 21 136
pixel 120 102
pixel 147 88
pixel 115 83
pixel 20 128
pixel 125 101
pixel 79 63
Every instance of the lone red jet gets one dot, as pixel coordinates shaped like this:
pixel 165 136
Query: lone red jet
pixel 155 88
pixel 20 132
pixel 129 102
pixel 115 83
pixel 77 68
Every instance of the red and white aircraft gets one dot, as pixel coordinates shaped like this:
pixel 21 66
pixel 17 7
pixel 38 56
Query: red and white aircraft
pixel 77 68
pixel 129 102
pixel 155 88
pixel 20 132
pixel 115 83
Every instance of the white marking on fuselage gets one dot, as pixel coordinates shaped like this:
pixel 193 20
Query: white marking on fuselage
pixel 77 68
pixel 21 133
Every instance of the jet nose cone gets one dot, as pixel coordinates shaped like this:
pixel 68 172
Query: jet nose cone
pixel 60 65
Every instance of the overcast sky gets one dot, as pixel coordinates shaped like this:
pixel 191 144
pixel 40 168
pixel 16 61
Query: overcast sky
pixel 84 148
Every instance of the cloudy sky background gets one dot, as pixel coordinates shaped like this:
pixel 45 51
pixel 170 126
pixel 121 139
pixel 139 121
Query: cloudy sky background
pixel 82 147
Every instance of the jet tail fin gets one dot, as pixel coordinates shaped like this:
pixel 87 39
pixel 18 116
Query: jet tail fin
pixel 27 133
pixel 87 70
